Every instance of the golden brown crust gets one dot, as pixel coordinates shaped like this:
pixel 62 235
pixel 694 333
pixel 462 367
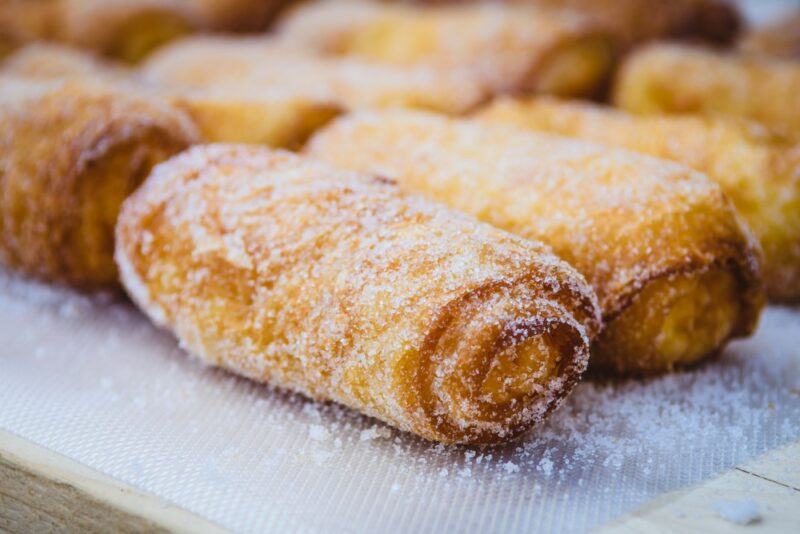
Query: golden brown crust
pixel 242 64
pixel 69 154
pixel 685 79
pixel 758 170
pixel 341 287
pixel 624 220
pixel 507 48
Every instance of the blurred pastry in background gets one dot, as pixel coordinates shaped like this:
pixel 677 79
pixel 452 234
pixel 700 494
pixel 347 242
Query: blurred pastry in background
pixel 341 287
pixel 130 29
pixel 245 114
pixel 676 272
pixel 250 64
pixel 779 38
pixel 675 78
pixel 757 169
pixel 509 48
pixel 70 152
pixel 43 61
pixel 280 119
pixel 638 21
pixel 634 22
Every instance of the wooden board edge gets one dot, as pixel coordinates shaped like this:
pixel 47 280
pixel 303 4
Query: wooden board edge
pixel 765 480
pixel 41 490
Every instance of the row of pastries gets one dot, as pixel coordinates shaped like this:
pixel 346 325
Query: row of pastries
pixel 452 241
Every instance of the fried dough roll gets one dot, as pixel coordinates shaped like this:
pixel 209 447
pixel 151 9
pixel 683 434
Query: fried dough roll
pixel 676 273
pixel 683 79
pixel 758 170
pixel 70 153
pixel 130 29
pixel 780 38
pixel 242 64
pixel 339 286
pixel 244 115
pixel 508 48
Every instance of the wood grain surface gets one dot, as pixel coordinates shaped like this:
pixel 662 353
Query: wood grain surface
pixel 772 481
pixel 42 491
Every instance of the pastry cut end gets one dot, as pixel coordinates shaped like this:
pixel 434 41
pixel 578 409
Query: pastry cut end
pixel 674 322
pixel 502 361
pixel 108 180
pixel 579 68
pixel 142 34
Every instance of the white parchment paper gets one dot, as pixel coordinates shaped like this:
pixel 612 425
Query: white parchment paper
pixel 91 379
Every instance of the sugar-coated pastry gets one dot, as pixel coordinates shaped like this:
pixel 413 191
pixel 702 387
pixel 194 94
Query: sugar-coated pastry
pixel 243 115
pixel 676 272
pixel 779 38
pixel 342 287
pixel 244 64
pixel 684 79
pixel 758 170
pixel 131 29
pixel 507 48
pixel 70 152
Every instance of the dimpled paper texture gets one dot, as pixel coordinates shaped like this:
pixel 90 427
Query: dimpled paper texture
pixel 91 379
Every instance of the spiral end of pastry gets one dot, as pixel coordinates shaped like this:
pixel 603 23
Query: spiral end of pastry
pixel 498 362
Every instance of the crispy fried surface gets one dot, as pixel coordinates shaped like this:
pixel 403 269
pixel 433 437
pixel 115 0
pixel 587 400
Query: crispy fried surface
pixel 758 170
pixel 339 286
pixel 242 64
pixel 507 48
pixel 684 79
pixel 70 153
pixel 624 220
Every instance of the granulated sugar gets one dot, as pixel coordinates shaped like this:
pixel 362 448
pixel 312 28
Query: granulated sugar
pixel 90 378
pixel 739 512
